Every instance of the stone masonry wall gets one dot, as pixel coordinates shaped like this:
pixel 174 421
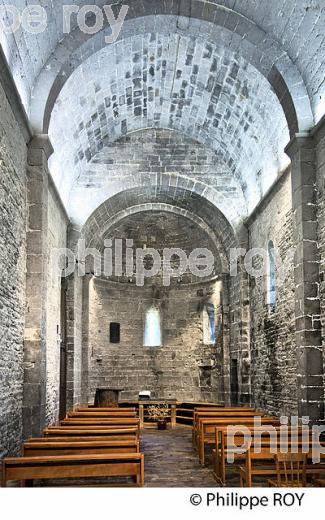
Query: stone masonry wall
pixel 13 158
pixel 57 238
pixel 181 368
pixel 273 348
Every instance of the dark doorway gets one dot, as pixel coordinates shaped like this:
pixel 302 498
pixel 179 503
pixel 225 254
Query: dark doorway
pixel 63 354
pixel 234 387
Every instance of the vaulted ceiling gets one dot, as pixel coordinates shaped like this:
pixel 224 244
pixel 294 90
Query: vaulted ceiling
pixel 172 82
pixel 235 77
pixel 298 27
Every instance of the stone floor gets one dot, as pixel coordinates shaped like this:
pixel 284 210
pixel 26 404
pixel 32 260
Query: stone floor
pixel 171 461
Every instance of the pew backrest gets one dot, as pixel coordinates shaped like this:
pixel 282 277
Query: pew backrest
pixel 82 431
pixel 41 449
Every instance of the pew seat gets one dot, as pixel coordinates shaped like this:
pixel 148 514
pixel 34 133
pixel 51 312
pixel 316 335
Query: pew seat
pixel 73 466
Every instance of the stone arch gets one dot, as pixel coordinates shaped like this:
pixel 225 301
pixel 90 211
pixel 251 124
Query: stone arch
pixel 97 241
pixel 192 206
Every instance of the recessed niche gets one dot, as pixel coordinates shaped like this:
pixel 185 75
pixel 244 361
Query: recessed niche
pixel 114 332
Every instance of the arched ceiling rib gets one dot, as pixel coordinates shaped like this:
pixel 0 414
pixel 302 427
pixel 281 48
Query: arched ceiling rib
pixel 160 227
pixel 178 201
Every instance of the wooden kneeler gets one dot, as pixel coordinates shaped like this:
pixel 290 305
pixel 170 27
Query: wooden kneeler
pixel 73 466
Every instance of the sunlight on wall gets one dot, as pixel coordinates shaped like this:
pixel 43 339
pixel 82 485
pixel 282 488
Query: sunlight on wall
pixel 271 279
pixel 320 107
pixel 7 43
pixel 152 328
pixel 209 324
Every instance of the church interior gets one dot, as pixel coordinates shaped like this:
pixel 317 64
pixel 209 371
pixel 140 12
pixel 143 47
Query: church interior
pixel 162 240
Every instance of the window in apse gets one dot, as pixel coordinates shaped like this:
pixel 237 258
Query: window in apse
pixel 152 328
pixel 209 325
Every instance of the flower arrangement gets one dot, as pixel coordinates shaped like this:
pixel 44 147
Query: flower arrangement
pixel 158 412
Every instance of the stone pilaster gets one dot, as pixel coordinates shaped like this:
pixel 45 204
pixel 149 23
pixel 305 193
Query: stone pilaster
pixel 301 151
pixel 86 352
pixel 245 356
pixel 226 340
pixel 34 400
pixel 74 326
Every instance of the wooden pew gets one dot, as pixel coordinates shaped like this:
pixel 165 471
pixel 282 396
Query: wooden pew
pixel 116 433
pixel 208 414
pixel 224 409
pixel 226 442
pixel 39 448
pixel 74 466
pixel 102 415
pixel 207 428
pixel 84 438
pixel 268 468
pixel 97 409
pixel 185 411
pixel 96 422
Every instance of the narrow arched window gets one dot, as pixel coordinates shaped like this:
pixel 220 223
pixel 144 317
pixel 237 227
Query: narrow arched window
pixel 271 276
pixel 209 325
pixel 152 328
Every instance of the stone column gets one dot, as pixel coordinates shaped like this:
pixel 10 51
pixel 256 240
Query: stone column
pixel 34 398
pixel 301 151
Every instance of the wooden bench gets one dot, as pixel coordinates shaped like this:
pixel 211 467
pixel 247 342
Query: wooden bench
pixel 268 467
pixel 39 448
pixel 85 438
pixel 96 422
pixel 74 466
pixel 102 415
pixel 110 409
pixel 82 431
pixel 187 414
pixel 185 411
pixel 198 415
pixel 227 443
pixel 208 414
pixel 207 428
